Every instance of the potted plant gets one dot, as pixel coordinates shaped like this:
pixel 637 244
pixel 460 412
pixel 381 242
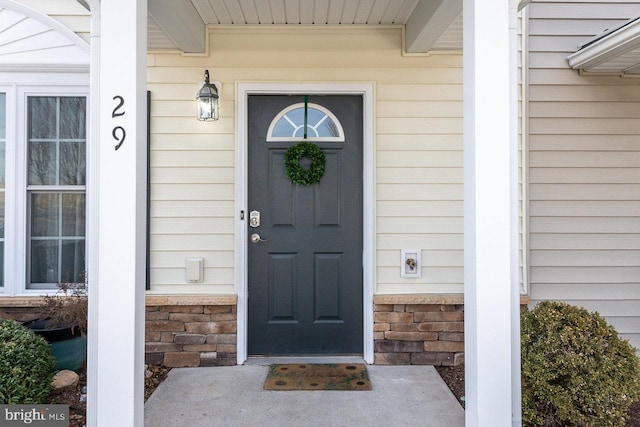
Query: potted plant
pixel 64 323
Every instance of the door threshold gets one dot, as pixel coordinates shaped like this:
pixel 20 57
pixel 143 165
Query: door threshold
pixel 283 360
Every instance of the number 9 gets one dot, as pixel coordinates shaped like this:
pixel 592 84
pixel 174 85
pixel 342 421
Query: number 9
pixel 119 138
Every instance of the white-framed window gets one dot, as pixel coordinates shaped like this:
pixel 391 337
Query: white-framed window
pixel 56 189
pixel 44 87
pixel 43 131
pixel 3 143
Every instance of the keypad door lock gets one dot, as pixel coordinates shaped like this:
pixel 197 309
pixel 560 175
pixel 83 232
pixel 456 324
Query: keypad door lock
pixel 254 219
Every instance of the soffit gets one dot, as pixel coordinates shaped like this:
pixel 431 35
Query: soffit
pixel 438 22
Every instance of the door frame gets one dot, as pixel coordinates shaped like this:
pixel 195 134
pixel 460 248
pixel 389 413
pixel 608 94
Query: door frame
pixel 367 90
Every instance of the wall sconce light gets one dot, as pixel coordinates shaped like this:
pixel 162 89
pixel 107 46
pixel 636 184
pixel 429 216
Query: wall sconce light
pixel 208 100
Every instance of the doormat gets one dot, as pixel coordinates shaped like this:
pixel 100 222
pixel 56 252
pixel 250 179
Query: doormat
pixel 318 377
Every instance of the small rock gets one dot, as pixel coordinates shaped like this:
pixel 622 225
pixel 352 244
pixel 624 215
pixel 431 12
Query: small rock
pixel 65 378
pixel 148 374
pixel 83 398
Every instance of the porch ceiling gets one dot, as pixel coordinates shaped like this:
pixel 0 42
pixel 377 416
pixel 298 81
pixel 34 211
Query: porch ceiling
pixel 617 51
pixel 181 24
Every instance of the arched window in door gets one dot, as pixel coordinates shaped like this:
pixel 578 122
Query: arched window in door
pixel 322 124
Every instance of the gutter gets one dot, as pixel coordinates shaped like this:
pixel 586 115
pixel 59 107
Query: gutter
pixel 608 46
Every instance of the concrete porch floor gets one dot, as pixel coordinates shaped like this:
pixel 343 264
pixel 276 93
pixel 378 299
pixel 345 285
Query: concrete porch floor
pixel 233 396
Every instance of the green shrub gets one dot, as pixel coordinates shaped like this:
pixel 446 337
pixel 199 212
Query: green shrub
pixel 576 371
pixel 26 365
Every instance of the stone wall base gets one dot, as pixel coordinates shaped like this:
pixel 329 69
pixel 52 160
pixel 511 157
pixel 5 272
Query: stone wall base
pixel 180 331
pixel 20 314
pixel 194 331
pixel 188 334
pixel 419 334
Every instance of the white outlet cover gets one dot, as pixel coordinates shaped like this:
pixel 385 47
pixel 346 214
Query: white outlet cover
pixel 405 268
pixel 194 270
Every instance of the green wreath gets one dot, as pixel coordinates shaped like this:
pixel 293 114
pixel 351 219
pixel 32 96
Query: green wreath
pixel 295 172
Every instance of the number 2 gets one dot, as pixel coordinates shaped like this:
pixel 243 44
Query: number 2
pixel 115 112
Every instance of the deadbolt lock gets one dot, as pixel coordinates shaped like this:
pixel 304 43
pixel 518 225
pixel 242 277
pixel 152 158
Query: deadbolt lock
pixel 254 219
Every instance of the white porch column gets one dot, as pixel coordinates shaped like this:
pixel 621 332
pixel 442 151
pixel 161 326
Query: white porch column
pixel 487 210
pixel 116 376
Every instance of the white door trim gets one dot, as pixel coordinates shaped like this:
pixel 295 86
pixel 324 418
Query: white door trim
pixel 243 90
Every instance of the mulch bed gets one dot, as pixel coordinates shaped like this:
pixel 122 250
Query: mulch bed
pixel 453 376
pixel 634 415
pixel 71 396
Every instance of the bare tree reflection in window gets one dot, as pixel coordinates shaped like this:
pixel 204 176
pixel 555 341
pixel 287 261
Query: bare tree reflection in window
pixel 42 163
pixel 72 163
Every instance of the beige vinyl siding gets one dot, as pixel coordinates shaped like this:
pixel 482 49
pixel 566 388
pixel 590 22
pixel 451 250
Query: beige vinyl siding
pixel 584 168
pixel 192 192
pixel 418 137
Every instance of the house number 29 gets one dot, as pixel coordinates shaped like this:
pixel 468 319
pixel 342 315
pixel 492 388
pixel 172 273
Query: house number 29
pixel 118 132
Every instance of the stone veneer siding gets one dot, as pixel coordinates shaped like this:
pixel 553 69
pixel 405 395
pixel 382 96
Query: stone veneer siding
pixel 202 330
pixel 421 329
pixel 418 330
pixel 20 309
pixel 191 331
pixel 180 331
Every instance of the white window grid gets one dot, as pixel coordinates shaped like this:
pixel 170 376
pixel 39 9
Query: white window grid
pixel 296 126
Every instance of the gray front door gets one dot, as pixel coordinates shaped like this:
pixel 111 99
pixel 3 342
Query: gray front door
pixel 305 276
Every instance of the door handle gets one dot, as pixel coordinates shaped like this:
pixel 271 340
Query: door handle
pixel 255 238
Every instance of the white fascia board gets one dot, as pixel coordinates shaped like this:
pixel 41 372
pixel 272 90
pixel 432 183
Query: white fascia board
pixel 44 68
pixel 608 47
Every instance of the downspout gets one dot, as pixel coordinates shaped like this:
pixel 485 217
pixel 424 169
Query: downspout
pixel 93 162
pixel 516 392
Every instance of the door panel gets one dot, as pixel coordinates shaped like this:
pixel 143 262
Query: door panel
pixel 305 277
pixel 327 296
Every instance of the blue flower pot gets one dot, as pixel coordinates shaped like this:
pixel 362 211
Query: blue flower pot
pixel 69 350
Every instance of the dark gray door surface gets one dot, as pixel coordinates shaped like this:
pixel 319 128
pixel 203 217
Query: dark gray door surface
pixel 305 278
